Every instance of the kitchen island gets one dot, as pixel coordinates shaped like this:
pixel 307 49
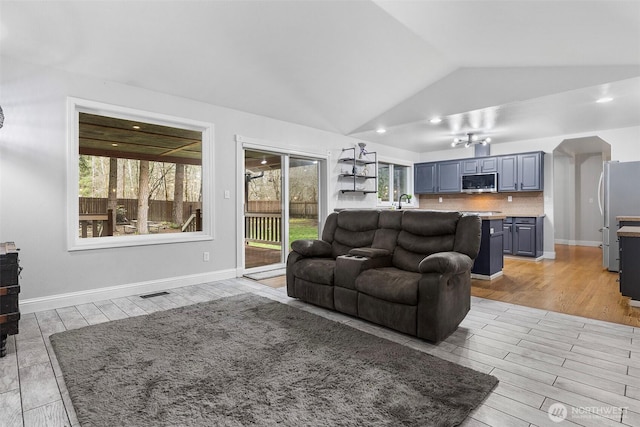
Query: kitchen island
pixel 490 261
pixel 629 271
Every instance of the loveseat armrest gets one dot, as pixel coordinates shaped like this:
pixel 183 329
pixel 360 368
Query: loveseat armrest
pixel 446 262
pixel 370 252
pixel 312 248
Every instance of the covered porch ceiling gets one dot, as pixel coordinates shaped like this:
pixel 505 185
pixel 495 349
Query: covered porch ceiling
pixel 113 137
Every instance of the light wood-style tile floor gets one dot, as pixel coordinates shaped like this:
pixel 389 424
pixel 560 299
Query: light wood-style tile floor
pixel 545 361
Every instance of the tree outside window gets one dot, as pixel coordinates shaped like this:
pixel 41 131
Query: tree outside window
pixel 148 176
pixel 393 181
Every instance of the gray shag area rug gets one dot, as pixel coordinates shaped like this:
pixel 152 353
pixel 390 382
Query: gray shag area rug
pixel 247 360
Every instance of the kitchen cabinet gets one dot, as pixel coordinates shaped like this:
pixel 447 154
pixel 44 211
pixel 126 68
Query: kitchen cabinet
pixel 507 228
pixel 521 172
pixel 489 262
pixel 629 272
pixel 516 172
pixel 424 175
pixel 523 236
pixel 479 165
pixel 449 177
pixel 437 177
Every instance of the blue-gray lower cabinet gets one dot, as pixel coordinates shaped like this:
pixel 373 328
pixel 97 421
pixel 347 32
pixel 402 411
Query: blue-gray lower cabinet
pixel 629 267
pixel 523 236
pixel 490 260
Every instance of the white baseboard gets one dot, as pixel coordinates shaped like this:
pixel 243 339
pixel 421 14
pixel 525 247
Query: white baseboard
pixel 549 255
pixel 485 277
pixel 51 302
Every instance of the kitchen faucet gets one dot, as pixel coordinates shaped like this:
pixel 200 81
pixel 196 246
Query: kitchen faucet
pixel 400 200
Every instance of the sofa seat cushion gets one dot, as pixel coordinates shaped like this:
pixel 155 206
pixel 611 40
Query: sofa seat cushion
pixel 390 284
pixel 315 270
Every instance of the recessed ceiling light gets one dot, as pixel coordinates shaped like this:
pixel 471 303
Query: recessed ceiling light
pixel 381 130
pixel 604 99
pixel 136 127
pixel 435 120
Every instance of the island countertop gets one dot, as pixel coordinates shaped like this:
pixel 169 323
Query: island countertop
pixel 629 231
pixel 627 218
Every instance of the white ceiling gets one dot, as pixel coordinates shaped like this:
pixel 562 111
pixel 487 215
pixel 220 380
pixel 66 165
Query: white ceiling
pixel 510 70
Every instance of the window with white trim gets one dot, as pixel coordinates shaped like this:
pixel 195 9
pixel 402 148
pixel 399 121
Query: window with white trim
pixel 136 178
pixel 393 181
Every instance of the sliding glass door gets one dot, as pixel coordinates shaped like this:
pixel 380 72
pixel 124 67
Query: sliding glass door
pixel 281 194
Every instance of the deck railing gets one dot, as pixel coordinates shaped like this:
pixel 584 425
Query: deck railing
pixel 263 227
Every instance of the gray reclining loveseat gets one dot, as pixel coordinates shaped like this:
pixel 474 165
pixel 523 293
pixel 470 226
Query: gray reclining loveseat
pixel 408 270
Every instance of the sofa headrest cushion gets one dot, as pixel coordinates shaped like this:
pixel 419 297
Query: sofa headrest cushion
pixel 430 223
pixel 358 220
pixel 390 219
pixel 330 227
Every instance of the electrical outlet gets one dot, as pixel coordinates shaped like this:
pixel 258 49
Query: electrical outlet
pixel 205 256
pixel 227 194
pixel 439 199
pixel 509 198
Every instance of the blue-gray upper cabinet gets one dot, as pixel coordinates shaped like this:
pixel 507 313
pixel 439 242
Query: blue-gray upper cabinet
pixel 479 165
pixel 424 179
pixel 437 177
pixel 449 177
pixel 521 172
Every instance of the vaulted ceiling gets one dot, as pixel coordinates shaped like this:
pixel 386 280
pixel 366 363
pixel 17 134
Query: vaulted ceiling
pixel 511 70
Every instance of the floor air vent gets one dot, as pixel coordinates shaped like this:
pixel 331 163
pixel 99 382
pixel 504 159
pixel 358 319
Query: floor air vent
pixel 157 294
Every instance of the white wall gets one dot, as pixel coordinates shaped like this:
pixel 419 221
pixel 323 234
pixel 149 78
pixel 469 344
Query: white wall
pixel 33 144
pixel 564 189
pixel 577 215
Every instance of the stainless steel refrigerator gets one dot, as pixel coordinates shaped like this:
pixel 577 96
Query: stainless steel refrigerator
pixel 620 196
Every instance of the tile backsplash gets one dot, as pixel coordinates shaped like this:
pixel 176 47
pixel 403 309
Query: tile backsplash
pixel 524 203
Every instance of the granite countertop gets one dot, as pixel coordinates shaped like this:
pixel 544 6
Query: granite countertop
pixel 629 231
pixel 628 218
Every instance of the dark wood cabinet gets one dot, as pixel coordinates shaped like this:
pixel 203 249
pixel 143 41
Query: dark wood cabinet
pixel 9 290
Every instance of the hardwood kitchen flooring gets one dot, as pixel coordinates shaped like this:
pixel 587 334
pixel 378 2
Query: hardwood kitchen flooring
pixel 547 363
pixel 574 283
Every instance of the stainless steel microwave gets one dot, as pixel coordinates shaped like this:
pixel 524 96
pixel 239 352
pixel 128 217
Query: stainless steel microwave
pixel 480 183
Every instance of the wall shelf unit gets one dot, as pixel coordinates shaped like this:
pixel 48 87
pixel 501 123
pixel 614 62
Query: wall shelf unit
pixel 358 170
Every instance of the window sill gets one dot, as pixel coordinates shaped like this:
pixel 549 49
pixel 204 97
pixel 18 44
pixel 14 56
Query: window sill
pixel 129 241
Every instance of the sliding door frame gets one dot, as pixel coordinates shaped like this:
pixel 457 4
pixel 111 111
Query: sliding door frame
pixel 246 143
